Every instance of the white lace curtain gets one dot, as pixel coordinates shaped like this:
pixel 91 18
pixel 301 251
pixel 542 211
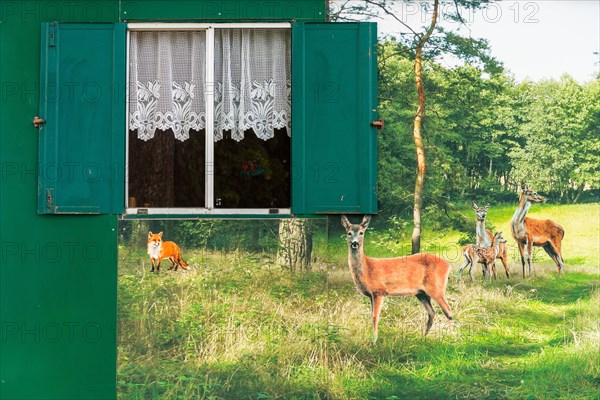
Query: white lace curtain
pixel 167 82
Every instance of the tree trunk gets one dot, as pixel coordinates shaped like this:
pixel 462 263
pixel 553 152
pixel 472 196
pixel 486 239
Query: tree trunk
pixel 295 245
pixel 579 191
pixel 421 165
pixel 417 135
pixel 139 233
pixel 254 238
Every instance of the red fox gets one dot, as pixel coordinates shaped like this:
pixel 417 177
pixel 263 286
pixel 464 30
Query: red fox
pixel 159 250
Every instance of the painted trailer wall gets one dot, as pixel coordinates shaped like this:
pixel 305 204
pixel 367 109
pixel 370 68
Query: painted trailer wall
pixel 58 273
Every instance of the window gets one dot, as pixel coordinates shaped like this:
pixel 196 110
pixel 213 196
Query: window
pixel 217 119
pixel 236 77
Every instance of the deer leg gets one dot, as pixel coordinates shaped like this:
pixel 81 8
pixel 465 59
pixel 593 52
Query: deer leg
pixel 441 300
pixel 529 246
pixel 557 249
pixel 504 259
pixel 484 268
pixel 487 271
pixel 466 262
pixel 555 257
pixel 522 252
pixel 494 270
pixel 376 303
pixel 471 271
pixel 426 301
pixel 474 261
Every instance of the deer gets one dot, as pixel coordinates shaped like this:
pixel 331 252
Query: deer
pixel 423 275
pixel 488 254
pixel 529 232
pixel 483 237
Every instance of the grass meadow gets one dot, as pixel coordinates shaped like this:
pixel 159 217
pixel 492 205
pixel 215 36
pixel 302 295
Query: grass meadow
pixel 241 327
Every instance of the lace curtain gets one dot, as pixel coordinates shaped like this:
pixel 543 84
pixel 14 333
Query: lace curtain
pixel 252 75
pixel 167 82
pixel 251 91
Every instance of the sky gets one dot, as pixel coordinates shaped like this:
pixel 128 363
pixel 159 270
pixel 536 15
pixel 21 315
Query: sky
pixel 534 39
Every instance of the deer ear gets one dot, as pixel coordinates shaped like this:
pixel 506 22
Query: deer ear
pixel 487 206
pixel 523 186
pixel 345 222
pixel 475 206
pixel 365 221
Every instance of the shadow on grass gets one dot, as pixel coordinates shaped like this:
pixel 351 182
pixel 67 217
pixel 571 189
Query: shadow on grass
pixel 492 367
pixel 254 378
pixel 559 291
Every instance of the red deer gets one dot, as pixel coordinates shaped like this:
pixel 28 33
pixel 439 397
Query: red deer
pixel 488 254
pixel 483 236
pixel 529 232
pixel 423 275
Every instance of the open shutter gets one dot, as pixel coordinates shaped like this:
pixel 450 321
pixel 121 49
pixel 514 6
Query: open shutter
pixel 334 101
pixel 82 98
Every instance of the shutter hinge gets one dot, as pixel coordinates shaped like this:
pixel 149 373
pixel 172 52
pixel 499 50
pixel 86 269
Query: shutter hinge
pixel 49 199
pixel 51 35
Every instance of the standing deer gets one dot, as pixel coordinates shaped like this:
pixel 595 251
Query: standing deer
pixel 483 237
pixel 488 254
pixel 423 275
pixel 529 232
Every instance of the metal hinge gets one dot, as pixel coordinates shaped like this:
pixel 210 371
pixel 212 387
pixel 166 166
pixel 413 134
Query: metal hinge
pixel 52 35
pixel 49 199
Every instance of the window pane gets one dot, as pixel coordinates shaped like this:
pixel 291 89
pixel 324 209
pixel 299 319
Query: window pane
pixel 252 118
pixel 166 172
pixel 253 173
pixel 167 117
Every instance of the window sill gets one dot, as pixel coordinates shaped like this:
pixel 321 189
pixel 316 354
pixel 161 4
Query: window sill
pixel 200 213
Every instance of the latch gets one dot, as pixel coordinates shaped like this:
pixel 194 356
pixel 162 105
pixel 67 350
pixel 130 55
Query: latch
pixel 378 123
pixel 49 199
pixel 37 121
pixel 52 35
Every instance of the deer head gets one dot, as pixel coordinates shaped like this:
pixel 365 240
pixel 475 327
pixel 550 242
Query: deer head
pixel 531 195
pixel 355 233
pixel 498 238
pixel 481 212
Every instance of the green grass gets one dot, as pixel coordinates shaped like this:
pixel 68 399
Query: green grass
pixel 239 327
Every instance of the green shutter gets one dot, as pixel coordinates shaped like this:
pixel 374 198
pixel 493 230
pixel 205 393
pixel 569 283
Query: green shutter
pixel 82 99
pixel 334 100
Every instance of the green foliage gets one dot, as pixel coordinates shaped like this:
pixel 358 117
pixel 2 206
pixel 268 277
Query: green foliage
pixel 560 146
pixel 483 133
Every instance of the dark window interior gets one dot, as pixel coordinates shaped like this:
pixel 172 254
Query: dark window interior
pixel 165 172
pixel 253 173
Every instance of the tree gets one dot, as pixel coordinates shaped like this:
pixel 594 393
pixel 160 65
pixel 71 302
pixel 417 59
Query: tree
pixel 295 244
pixel 416 42
pixel 418 137
pixel 559 148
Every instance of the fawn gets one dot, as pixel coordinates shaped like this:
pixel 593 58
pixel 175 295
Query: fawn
pixel 488 255
pixel 423 275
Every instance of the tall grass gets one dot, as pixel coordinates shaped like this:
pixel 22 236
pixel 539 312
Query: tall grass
pixel 240 327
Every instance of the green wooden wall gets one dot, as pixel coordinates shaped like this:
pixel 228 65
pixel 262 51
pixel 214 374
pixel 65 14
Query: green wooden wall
pixel 58 273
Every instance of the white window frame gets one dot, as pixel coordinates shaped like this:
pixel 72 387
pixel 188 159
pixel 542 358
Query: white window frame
pixel 209 193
